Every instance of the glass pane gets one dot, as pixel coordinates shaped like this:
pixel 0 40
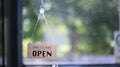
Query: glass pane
pixel 83 30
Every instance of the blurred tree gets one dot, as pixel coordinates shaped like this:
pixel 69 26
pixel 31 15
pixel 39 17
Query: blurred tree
pixel 99 18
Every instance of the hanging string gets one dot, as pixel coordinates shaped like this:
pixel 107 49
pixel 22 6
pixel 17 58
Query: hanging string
pixel 35 27
pixel 51 34
pixel 37 19
pixel 41 13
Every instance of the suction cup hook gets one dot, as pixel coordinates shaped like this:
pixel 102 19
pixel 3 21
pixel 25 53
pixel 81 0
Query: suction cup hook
pixel 41 11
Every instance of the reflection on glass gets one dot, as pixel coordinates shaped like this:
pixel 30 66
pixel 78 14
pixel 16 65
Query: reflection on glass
pixel 82 29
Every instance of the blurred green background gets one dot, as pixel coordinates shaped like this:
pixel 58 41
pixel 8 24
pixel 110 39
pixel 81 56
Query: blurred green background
pixel 79 27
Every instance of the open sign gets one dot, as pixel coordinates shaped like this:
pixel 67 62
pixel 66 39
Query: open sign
pixel 42 51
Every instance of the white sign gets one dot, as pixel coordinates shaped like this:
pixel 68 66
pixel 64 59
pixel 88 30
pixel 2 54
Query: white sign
pixel 42 51
pixel 117 47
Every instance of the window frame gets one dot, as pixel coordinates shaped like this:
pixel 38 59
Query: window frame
pixel 12 10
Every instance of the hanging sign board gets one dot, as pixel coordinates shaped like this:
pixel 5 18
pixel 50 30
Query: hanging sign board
pixel 42 51
pixel 117 47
